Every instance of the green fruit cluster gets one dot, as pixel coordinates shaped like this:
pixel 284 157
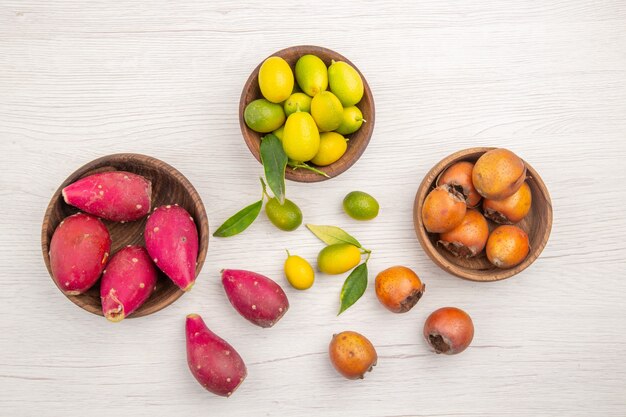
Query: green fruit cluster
pixel 311 123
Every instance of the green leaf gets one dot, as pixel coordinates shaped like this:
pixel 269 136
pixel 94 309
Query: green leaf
pixel 353 287
pixel 239 221
pixel 332 235
pixel 274 161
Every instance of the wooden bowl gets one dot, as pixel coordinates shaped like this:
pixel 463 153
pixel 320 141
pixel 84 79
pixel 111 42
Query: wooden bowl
pixel 537 224
pixel 168 187
pixel 358 140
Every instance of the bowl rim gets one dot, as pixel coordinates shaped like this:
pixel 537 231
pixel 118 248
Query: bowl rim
pixel 100 162
pixel 303 175
pixel 438 258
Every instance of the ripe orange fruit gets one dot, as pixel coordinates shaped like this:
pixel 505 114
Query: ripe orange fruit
pixel 443 209
pixel 512 209
pixel 498 173
pixel 399 288
pixel 507 246
pixel 352 354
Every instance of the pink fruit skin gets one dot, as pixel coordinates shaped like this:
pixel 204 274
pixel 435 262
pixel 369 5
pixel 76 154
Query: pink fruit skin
pixel 117 196
pixel 127 282
pixel 256 297
pixel 172 242
pixel 212 361
pixel 79 249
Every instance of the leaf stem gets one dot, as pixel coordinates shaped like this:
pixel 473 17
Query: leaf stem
pixel 295 165
pixel 264 194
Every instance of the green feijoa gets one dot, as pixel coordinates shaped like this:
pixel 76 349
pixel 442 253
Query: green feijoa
pixel 297 101
pixel 286 216
pixel 345 82
pixel 360 205
pixel 263 116
pixel 311 74
pixel 351 120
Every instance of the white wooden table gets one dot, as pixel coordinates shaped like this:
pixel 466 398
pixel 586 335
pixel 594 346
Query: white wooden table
pixel 546 79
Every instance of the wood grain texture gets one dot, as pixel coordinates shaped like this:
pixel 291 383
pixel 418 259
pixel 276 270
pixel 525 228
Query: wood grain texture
pixel 79 80
pixel 358 140
pixel 537 224
pixel 169 187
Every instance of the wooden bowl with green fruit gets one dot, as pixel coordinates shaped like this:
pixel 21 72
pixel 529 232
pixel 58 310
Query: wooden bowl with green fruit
pixel 320 104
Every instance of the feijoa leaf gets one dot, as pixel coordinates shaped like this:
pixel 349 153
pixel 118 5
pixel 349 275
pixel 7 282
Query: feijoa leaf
pixel 274 161
pixel 332 235
pixel 353 287
pixel 239 221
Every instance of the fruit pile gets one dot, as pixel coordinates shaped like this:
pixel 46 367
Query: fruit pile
pixel 261 301
pixel 81 244
pixel 79 256
pixel 310 120
pixel 499 178
pixel 218 367
pixel 305 118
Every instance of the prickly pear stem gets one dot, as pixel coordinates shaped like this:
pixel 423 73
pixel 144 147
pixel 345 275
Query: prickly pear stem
pixel 116 316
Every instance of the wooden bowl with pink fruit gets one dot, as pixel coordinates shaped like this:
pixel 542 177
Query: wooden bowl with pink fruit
pixel 106 227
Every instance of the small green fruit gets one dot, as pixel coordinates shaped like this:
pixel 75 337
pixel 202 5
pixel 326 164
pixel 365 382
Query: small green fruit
pixel 338 258
pixel 360 205
pixel 345 82
pixel 351 120
pixel 297 101
pixel 311 74
pixel 263 116
pixel 285 216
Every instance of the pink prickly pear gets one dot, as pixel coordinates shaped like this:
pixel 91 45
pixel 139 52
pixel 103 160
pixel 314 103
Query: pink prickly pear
pixel 212 361
pixel 172 242
pixel 79 249
pixel 116 195
pixel 256 297
pixel 127 282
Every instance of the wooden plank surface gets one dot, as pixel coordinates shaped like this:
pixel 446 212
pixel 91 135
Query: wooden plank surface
pixel 546 79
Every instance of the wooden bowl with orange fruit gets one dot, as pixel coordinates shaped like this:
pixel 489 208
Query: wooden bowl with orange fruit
pixel 483 214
